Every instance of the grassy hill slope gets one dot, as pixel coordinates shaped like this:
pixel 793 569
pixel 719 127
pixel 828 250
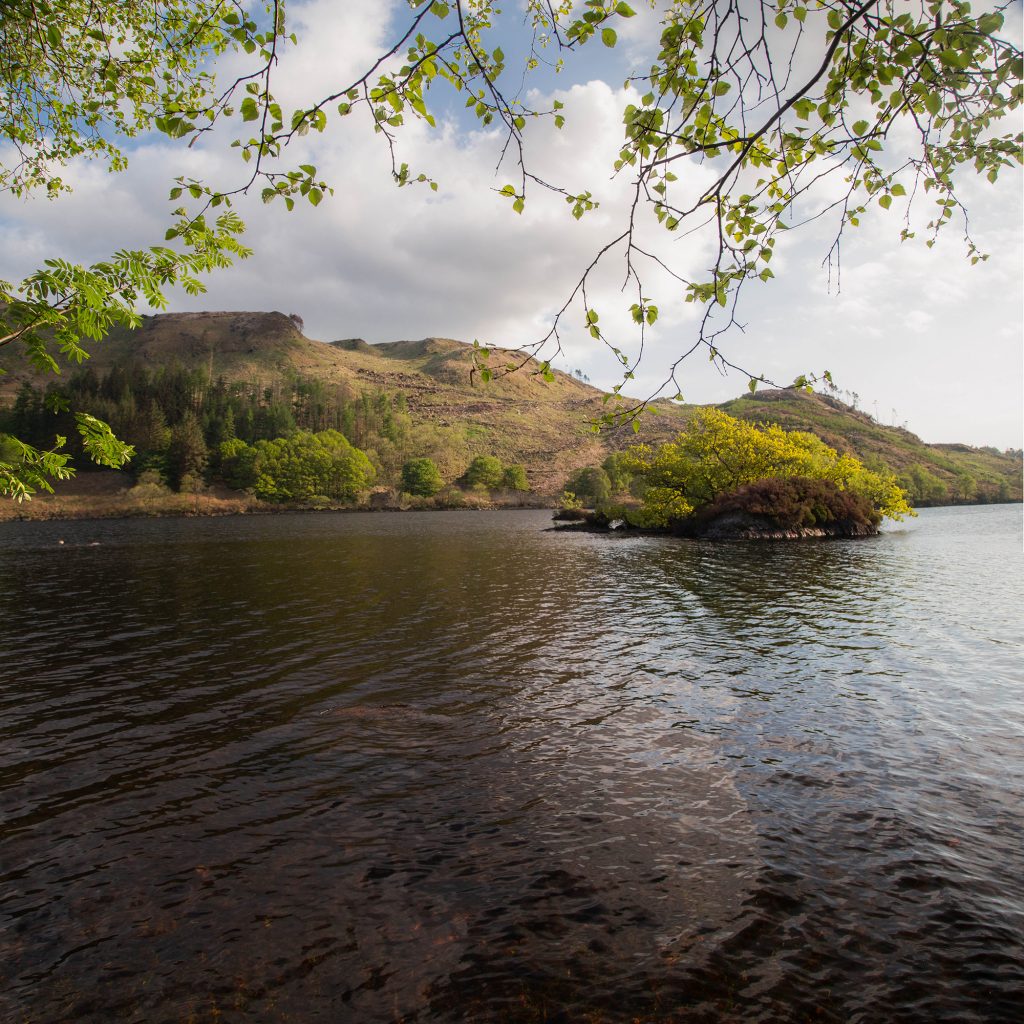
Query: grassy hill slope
pixel 994 474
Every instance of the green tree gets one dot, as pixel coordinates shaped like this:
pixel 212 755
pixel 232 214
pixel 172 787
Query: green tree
pixel 617 468
pixel 28 418
pixel 305 465
pixel 421 477
pixel 275 420
pixel 186 453
pixel 964 488
pixel 237 464
pixel 485 471
pixel 349 471
pixel 861 103
pixel 150 432
pixel 922 485
pixel 590 482
pixel 717 455
pixel 220 428
pixel 514 478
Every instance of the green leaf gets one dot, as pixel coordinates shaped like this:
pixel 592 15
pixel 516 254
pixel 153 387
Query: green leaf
pixel 250 112
pixel 990 23
pixel 781 19
pixel 885 201
pixel 623 10
pixel 608 37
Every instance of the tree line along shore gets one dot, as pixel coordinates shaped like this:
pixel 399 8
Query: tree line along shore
pixel 213 447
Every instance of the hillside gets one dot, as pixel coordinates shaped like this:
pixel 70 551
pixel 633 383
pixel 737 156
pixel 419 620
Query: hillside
pixel 966 473
pixel 518 417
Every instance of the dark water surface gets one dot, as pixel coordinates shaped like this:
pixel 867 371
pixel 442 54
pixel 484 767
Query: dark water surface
pixel 451 767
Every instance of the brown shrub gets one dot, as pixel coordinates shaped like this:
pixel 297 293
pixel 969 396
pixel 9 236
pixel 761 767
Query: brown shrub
pixel 793 502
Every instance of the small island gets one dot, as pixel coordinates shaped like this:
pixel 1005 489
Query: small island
pixel 726 479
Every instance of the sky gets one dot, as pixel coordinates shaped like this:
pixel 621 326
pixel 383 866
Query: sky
pixel 921 337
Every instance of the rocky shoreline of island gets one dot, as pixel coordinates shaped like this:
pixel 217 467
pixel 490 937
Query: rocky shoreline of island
pixel 727 526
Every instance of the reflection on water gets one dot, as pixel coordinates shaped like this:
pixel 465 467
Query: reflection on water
pixel 453 767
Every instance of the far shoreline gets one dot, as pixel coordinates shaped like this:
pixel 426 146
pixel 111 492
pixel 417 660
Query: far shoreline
pixel 42 511
pixel 48 508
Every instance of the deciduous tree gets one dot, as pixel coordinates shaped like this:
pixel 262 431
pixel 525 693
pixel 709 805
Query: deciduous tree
pixel 485 471
pixel 421 477
pixel 514 478
pixel 306 465
pixel 591 482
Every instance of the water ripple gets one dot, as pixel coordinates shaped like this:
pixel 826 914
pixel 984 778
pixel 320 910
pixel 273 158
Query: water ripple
pixel 452 767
